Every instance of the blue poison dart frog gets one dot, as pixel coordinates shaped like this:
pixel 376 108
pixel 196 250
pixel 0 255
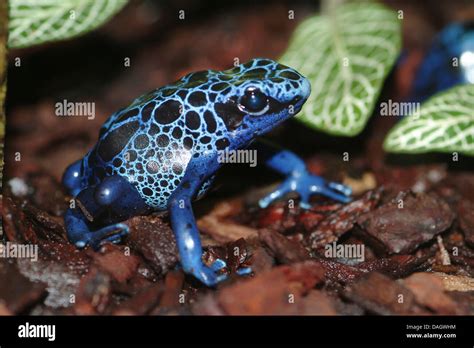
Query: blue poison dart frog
pixel 448 62
pixel 161 152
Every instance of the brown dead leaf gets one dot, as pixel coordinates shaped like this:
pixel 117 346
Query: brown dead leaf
pixel 456 282
pixel 288 285
pixel 222 230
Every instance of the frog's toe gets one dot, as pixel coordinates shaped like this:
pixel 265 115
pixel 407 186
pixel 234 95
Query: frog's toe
pixel 334 195
pixel 344 189
pixel 208 276
pixel 113 233
pixel 244 271
pixel 81 243
pixel 278 193
pixel 117 237
pixel 312 184
pixel 218 264
pixel 305 205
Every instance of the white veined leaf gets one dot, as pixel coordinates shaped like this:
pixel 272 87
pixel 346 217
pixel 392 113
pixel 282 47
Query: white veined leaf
pixel 346 54
pixel 36 21
pixel 445 123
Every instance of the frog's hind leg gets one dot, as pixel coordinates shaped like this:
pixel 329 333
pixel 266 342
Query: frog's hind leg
pixel 112 201
pixel 79 233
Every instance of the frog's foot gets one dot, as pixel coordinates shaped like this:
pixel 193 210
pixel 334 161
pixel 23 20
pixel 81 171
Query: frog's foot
pixel 244 271
pixel 80 235
pixel 187 235
pixel 218 264
pixel 112 233
pixel 211 275
pixel 306 184
pixel 114 198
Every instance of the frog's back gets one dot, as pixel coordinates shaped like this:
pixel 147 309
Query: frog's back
pixel 152 141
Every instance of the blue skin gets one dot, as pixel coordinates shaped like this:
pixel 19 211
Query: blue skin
pixel 162 151
pixel 436 72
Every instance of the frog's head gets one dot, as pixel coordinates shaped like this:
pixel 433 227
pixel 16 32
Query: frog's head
pixel 257 96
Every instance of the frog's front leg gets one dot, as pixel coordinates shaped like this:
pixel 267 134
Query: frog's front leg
pixel 187 234
pixel 298 179
pixel 111 201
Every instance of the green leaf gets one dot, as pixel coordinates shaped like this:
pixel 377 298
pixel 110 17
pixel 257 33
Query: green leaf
pixel 36 21
pixel 346 54
pixel 445 123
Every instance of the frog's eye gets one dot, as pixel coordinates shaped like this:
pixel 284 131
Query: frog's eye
pixel 253 102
